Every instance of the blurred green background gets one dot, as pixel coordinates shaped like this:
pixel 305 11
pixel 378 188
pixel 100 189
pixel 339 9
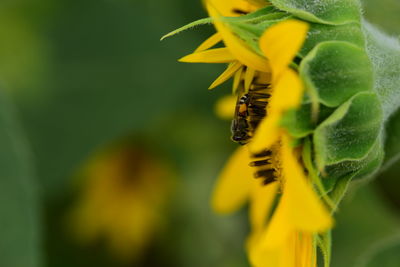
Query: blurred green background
pixel 77 76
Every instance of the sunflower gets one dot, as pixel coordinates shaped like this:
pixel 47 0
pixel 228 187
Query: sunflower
pixel 123 192
pixel 282 234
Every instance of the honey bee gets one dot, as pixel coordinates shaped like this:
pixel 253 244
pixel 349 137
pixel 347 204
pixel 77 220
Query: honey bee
pixel 250 110
pixel 240 125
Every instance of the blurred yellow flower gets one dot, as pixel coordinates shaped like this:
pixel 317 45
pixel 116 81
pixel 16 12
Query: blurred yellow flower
pixel 123 194
pixel 282 235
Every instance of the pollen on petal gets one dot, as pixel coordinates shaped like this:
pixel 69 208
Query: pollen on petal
pixel 234 183
pixel 216 55
pixel 281 42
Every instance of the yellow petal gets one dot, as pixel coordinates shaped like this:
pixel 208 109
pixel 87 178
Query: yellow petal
pixel 238 47
pixel 286 94
pixel 273 257
pixel 281 42
pixel 248 78
pixel 225 107
pixel 299 209
pixel 305 250
pixel 305 210
pixel 266 134
pixel 210 42
pixel 266 259
pixel 217 55
pixel 261 200
pixel 234 183
pixel 236 80
pixel 279 229
pixel 297 250
pixel 228 73
pixel 233 8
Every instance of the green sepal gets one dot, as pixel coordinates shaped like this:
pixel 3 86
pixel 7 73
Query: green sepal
pixel 356 169
pixel 335 71
pixel 348 171
pixel 350 132
pixel 249 31
pixel 324 242
pixel 320 33
pixel 187 27
pixel 332 12
pixel 299 123
pixel 339 176
pixel 258 15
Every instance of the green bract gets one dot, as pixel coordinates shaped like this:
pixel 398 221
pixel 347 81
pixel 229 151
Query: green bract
pixel 333 12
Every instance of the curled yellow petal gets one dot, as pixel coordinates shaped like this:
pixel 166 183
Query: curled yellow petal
pixel 281 42
pixel 238 47
pixel 217 55
pixel 225 107
pixel 228 73
pixel 234 183
pixel 210 42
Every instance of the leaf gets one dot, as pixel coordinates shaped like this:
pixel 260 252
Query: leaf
pixel 19 224
pixel 326 12
pixel 335 71
pixel 350 132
